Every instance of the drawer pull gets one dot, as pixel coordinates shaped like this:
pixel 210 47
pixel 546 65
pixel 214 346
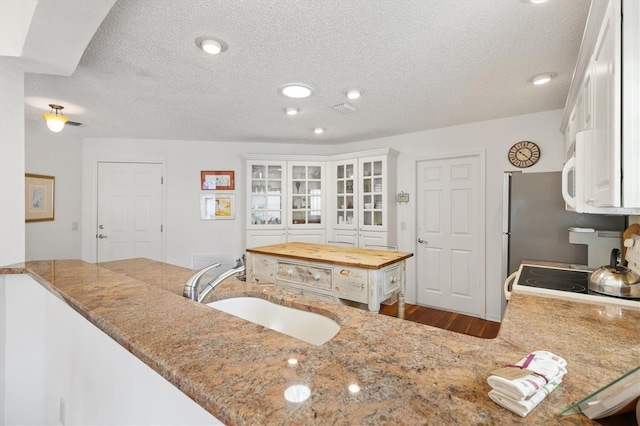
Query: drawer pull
pixel 289 271
pixel 316 277
pixel 393 280
pixel 345 272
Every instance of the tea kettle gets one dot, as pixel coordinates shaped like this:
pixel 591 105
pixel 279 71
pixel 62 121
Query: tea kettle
pixel 615 279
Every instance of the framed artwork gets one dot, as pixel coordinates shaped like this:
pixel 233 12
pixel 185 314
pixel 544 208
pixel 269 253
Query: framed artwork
pixel 221 180
pixel 38 197
pixel 218 206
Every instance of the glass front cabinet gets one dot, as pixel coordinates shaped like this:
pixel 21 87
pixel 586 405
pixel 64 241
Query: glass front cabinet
pixel 348 199
pixel 364 206
pixel 285 202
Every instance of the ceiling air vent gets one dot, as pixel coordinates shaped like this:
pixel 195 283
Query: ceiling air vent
pixel 344 107
pixel 74 124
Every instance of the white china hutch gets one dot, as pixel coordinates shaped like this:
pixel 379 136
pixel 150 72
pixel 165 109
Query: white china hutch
pixel 347 200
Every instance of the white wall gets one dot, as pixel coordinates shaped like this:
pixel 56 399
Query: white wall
pixel 58 155
pixel 495 137
pixel 61 369
pixel 12 246
pixel 186 234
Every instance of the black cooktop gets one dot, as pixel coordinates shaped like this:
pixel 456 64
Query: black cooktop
pixel 555 279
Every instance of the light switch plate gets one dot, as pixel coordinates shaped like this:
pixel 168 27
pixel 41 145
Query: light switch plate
pixel 403 197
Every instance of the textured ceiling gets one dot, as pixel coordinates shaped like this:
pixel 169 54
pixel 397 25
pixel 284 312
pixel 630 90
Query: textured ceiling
pixel 422 64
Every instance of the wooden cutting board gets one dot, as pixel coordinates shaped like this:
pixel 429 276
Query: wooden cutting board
pixel 632 229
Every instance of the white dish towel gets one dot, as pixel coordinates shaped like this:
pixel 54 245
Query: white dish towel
pixel 523 394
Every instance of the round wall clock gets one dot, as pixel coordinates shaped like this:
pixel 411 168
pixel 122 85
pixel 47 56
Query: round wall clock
pixel 524 154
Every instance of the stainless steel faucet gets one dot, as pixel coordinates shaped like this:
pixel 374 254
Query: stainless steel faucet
pixel 191 286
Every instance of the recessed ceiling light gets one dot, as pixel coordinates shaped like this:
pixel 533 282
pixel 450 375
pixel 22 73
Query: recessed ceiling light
pixel 211 45
pixel 318 130
pixel 534 1
pixel 354 93
pixel 296 91
pixel 291 111
pixel 543 78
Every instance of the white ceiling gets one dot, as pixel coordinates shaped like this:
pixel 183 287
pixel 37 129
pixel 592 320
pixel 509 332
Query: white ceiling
pixel 423 64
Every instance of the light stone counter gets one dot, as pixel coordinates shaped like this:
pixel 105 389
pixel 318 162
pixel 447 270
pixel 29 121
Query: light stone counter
pixel 408 373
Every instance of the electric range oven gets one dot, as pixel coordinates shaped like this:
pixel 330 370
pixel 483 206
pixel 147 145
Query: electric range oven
pixel 571 283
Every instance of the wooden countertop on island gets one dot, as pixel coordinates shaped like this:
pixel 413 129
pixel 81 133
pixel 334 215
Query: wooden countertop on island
pixel 408 373
pixel 335 255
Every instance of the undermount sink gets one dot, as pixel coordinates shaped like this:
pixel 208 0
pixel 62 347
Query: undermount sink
pixel 308 326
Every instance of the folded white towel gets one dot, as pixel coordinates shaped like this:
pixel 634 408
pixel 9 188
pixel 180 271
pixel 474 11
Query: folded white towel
pixel 522 407
pixel 546 368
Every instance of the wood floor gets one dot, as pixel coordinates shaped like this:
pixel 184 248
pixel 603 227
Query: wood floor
pixel 448 320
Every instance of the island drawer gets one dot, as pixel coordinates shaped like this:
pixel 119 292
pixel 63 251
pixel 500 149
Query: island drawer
pixel 306 275
pixel 391 280
pixel 351 284
pixel 297 290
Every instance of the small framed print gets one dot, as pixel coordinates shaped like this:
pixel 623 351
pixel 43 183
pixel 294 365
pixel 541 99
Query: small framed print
pixel 38 197
pixel 221 180
pixel 218 206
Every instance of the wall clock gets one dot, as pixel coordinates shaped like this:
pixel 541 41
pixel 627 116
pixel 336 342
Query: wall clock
pixel 524 154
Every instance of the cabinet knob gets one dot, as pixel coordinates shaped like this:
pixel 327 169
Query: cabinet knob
pixel 316 277
pixel 393 280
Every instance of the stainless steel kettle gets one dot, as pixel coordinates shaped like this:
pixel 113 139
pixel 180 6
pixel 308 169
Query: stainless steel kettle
pixel 615 279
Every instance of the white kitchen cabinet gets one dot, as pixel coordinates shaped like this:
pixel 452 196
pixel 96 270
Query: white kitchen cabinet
pixel 267 182
pixel 305 201
pixel 285 201
pixel 600 122
pixel 605 150
pixel 364 205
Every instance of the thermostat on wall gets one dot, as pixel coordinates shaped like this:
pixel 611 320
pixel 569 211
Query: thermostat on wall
pixel 403 197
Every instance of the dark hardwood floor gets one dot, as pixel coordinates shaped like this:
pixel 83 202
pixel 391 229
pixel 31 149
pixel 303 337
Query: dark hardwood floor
pixel 448 320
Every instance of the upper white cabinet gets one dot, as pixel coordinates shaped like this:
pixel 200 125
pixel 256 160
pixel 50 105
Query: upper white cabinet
pixel 363 205
pixel 605 150
pixel 345 199
pixel 285 202
pixel 601 118
pixel 306 195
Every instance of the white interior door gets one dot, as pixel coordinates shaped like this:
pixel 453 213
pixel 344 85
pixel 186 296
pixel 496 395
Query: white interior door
pixel 129 211
pixel 450 242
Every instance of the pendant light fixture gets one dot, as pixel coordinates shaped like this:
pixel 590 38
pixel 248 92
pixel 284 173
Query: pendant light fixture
pixel 55 121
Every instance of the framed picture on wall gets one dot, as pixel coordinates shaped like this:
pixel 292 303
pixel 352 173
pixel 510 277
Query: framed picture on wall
pixel 218 206
pixel 221 180
pixel 38 197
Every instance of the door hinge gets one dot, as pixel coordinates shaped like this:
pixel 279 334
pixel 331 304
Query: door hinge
pixel 161 228
pixel 161 180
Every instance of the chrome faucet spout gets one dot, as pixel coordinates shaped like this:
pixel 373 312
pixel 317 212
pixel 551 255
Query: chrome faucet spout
pixel 191 286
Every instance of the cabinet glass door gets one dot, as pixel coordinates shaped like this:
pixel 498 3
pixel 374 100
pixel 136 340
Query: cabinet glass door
pixel 345 186
pixel 306 195
pixel 266 194
pixel 372 201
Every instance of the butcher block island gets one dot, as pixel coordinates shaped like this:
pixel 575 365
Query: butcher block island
pixel 331 273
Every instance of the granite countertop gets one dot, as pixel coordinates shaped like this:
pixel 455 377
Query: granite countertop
pixel 408 373
pixel 335 255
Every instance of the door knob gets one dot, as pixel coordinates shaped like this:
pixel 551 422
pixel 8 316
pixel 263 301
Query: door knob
pixel 102 236
pixel 421 241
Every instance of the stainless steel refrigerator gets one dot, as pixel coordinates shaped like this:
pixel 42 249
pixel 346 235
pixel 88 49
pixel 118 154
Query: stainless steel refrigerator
pixel 535 224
